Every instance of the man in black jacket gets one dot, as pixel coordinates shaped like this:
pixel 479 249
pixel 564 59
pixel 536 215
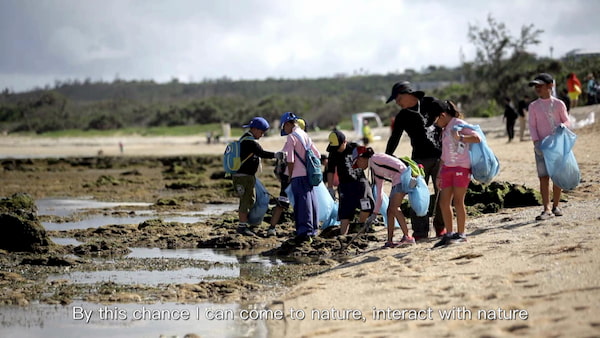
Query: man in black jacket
pixel 416 119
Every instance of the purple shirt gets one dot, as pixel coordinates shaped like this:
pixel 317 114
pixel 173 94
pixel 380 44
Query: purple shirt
pixel 545 115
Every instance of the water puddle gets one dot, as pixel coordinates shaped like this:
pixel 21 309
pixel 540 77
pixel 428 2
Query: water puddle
pixel 128 320
pixel 67 207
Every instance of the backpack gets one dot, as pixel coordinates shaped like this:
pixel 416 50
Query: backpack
pixel 312 164
pixel 416 168
pixel 484 164
pixel 231 158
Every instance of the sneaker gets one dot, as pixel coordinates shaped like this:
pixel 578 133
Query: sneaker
pixel 441 233
pixel 446 240
pixel 271 232
pixel 556 211
pixel 299 240
pixel 544 216
pixel 245 231
pixel 458 238
pixel 391 245
pixel 406 240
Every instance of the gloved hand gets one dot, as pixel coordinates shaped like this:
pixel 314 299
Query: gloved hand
pixel 371 218
pixel 413 183
pixel 331 192
pixel 280 155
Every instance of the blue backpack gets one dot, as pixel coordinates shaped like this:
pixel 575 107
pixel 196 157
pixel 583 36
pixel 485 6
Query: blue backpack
pixel 312 164
pixel 231 158
pixel 484 164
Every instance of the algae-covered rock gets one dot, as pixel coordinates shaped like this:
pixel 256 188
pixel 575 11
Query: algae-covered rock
pixel 19 226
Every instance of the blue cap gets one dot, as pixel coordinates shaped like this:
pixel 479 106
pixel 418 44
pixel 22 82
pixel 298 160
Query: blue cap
pixel 287 117
pixel 258 123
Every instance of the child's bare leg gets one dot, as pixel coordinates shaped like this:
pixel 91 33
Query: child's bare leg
pixel 459 207
pixel 446 207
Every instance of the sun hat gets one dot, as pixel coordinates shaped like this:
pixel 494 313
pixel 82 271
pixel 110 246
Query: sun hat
pixel 404 87
pixel 258 123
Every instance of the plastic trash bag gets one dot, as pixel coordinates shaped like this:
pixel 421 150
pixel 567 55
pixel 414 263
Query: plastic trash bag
pixel 560 160
pixel 484 164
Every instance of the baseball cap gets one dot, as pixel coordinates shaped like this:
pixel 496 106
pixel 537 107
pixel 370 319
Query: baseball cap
pixel 258 123
pixel 542 78
pixel 286 117
pixel 404 87
pixel 356 153
pixel 336 138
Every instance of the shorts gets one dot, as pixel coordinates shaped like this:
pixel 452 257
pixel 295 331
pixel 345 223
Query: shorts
pixel 397 189
pixel 540 164
pixel 244 187
pixel 350 195
pixel 573 96
pixel 455 177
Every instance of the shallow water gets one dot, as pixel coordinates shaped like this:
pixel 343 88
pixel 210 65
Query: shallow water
pixel 42 320
pixel 127 320
pixel 67 207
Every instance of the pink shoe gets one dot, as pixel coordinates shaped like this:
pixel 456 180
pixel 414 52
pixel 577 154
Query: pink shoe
pixel 407 240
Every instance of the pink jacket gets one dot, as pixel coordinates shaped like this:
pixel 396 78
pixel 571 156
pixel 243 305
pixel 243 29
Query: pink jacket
pixel 385 167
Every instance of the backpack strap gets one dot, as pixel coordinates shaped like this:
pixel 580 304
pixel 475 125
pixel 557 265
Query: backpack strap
pixel 243 139
pixel 305 148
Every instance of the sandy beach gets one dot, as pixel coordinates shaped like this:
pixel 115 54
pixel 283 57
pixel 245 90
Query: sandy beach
pixel 514 276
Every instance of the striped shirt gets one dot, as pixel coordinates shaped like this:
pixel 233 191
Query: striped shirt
pixel 385 168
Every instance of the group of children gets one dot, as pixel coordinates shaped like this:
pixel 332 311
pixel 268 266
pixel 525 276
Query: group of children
pixel 349 161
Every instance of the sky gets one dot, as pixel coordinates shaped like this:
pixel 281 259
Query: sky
pixel 45 41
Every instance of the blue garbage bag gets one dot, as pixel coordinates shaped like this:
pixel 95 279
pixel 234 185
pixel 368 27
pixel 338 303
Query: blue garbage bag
pixel 417 196
pixel 559 158
pixel 328 207
pixel 484 164
pixel 259 209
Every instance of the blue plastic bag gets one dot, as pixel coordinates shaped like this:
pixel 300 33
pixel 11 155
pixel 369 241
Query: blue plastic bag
pixel 417 196
pixel 328 208
pixel 259 209
pixel 560 160
pixel 484 164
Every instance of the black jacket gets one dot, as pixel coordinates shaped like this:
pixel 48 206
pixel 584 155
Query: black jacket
pixel 343 163
pixel 251 146
pixel 425 138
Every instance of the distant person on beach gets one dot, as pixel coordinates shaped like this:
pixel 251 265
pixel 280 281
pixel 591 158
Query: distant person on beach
pixel 545 114
pixel 574 88
pixel 522 111
pixel 306 207
pixel 591 89
pixel 367 133
pixel 414 118
pixel 510 116
pixel 455 174
pixel 386 167
pixel 354 190
pixel 244 179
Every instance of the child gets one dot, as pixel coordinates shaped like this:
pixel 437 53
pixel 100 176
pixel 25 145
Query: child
pixel 306 208
pixel 386 167
pixel 545 113
pixel 244 179
pixel 455 172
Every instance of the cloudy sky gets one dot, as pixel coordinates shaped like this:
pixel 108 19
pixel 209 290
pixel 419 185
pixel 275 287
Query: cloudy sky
pixel 43 41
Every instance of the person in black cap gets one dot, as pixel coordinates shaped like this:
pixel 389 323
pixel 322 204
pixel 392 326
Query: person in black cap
pixel 354 190
pixel 415 119
pixel 545 114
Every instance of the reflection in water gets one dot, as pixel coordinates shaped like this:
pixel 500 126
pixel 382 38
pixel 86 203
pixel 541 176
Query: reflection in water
pixel 127 320
pixel 155 277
